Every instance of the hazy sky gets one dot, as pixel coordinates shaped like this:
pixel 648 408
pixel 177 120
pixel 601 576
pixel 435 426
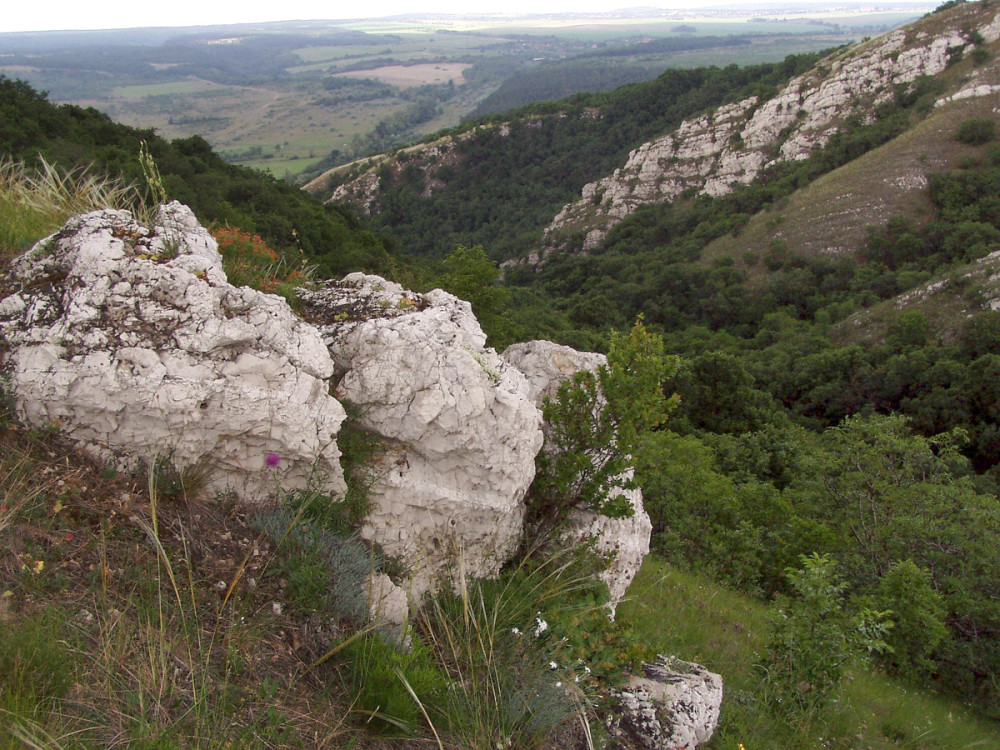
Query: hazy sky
pixel 22 15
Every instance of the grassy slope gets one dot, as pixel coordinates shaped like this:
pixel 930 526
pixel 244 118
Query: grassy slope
pixel 689 615
pixel 831 215
pixel 113 634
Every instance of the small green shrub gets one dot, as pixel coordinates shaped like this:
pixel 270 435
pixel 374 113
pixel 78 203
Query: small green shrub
pixel 326 572
pixel 173 484
pixel 384 679
pixel 918 613
pixel 813 637
pixel 594 424
pixel 976 132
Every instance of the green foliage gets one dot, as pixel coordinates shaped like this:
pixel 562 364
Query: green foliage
pixel 595 423
pixel 36 669
pixel 470 275
pixel 918 612
pixel 681 612
pixel 718 394
pixel 387 683
pixel 702 519
pixel 33 129
pixel 889 496
pixel 976 132
pixel 813 637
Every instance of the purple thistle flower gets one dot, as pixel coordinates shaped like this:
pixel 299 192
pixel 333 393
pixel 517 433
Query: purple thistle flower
pixel 272 460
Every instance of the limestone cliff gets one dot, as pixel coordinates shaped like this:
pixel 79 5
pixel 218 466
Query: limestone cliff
pixel 731 146
pixel 131 341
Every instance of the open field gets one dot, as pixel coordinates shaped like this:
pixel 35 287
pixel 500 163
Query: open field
pixel 408 76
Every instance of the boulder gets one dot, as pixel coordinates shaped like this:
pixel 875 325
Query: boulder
pixel 675 704
pixel 132 341
pixel 622 542
pixel 459 430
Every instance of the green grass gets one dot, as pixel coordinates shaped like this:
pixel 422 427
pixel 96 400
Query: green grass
pixel 34 203
pixel 684 614
pixel 115 632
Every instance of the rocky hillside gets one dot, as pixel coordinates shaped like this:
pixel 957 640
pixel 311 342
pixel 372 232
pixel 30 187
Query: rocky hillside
pixel 711 150
pixel 735 144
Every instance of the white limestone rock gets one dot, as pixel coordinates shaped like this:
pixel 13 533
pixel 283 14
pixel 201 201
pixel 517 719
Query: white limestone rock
pixel 460 431
pixel 133 342
pixel 622 542
pixel 675 704
pixel 388 606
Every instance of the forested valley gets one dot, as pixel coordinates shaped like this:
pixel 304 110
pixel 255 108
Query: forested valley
pixel 821 424
pixel 828 404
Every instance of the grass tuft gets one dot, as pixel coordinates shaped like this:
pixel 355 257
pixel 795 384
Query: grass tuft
pixel 35 203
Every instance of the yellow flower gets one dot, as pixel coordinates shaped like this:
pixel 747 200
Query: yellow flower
pixel 35 566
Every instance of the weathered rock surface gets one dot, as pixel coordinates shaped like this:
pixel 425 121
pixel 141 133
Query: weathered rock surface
pixel 674 705
pixel 732 145
pixel 135 345
pixel 460 430
pixel 388 606
pixel 623 542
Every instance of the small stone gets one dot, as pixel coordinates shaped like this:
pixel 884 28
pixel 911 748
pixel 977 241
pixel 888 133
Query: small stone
pixel 675 705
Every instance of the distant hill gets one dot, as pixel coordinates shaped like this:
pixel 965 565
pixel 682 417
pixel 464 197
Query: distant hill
pixel 815 214
pixel 72 137
pixel 557 79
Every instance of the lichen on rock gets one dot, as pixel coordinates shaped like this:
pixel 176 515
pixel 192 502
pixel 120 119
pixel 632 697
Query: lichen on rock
pixel 674 704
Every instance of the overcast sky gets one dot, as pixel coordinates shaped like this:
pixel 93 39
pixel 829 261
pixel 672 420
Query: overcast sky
pixel 25 15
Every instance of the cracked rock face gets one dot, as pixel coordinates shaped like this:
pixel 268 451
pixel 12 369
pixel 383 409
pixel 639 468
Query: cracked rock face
pixel 460 432
pixel 675 704
pixel 622 542
pixel 133 342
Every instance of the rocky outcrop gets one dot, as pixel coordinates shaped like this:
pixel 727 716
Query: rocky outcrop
pixel 735 143
pixel 460 430
pixel 362 182
pixel 622 542
pixel 675 704
pixel 134 344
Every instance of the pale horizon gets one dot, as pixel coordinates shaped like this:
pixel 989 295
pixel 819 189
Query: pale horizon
pixel 65 16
